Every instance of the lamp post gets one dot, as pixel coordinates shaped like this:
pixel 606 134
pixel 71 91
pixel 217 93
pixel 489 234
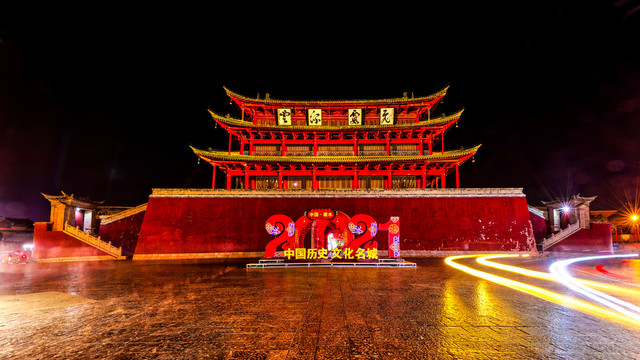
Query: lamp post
pixel 634 219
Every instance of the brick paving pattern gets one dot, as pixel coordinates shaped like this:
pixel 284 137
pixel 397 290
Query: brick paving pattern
pixel 221 310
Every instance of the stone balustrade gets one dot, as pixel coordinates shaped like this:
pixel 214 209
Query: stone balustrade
pixel 560 235
pixel 92 240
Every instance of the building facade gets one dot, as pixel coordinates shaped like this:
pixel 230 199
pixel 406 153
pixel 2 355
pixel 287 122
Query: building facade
pixel 322 179
pixel 347 144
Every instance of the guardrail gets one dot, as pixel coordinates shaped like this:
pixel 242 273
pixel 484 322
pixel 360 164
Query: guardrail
pixel 93 240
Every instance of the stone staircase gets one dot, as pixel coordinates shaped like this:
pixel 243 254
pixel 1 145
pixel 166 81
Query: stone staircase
pixel 94 241
pixel 555 238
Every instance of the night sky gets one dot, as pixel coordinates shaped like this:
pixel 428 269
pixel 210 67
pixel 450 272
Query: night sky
pixel 105 103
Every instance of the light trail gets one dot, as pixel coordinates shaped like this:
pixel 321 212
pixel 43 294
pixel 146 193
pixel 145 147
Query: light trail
pixel 560 272
pixel 484 260
pixel 601 269
pixel 542 293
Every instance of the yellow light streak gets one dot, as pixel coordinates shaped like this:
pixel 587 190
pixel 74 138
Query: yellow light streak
pixel 484 260
pixel 541 293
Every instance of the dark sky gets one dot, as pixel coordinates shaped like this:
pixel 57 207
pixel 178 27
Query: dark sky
pixel 104 102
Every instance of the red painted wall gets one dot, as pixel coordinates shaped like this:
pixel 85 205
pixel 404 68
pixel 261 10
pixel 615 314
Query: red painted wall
pixel 598 239
pixel 123 233
pixel 539 225
pixel 236 224
pixel 56 244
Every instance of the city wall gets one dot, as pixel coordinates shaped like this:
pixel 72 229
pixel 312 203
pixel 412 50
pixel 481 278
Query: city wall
pixel 207 223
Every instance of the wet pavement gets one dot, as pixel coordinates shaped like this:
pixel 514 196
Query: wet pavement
pixel 221 310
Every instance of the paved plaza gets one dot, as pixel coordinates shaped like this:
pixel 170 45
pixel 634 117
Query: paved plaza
pixel 222 310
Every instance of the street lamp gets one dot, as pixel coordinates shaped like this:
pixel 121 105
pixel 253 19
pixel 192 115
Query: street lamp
pixel 634 220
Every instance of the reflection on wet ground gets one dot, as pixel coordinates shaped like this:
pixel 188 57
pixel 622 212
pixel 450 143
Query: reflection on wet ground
pixel 221 310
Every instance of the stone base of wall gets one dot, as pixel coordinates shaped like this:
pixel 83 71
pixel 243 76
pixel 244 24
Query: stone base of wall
pixel 78 258
pixel 407 254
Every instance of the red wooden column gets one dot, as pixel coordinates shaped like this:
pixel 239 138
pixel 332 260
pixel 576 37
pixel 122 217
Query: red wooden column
pixel 279 179
pixel 443 180
pixel 315 144
pixel 355 179
pixel 355 147
pixel 246 179
pixel 228 181
pixel 314 180
pixel 213 178
pixel 389 179
pixel 421 145
pixel 424 179
pixel 430 145
pixel 457 176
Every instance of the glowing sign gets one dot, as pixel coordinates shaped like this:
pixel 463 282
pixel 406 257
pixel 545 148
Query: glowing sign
pixel 346 253
pixel 386 116
pixel 284 116
pixel 332 234
pixel 326 214
pixel 315 117
pixel 393 229
pixel 355 116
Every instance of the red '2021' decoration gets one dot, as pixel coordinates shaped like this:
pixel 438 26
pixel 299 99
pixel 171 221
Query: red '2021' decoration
pixel 353 232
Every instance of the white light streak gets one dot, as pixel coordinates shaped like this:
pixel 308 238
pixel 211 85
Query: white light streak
pixel 560 272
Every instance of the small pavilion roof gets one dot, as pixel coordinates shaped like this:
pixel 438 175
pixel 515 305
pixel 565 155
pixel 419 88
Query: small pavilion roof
pixel 71 200
pixel 575 200
pixel 274 102
pixel 234 122
pixel 224 156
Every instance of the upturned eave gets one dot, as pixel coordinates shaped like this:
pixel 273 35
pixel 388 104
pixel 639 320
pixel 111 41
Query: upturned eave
pixel 224 156
pixel 277 102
